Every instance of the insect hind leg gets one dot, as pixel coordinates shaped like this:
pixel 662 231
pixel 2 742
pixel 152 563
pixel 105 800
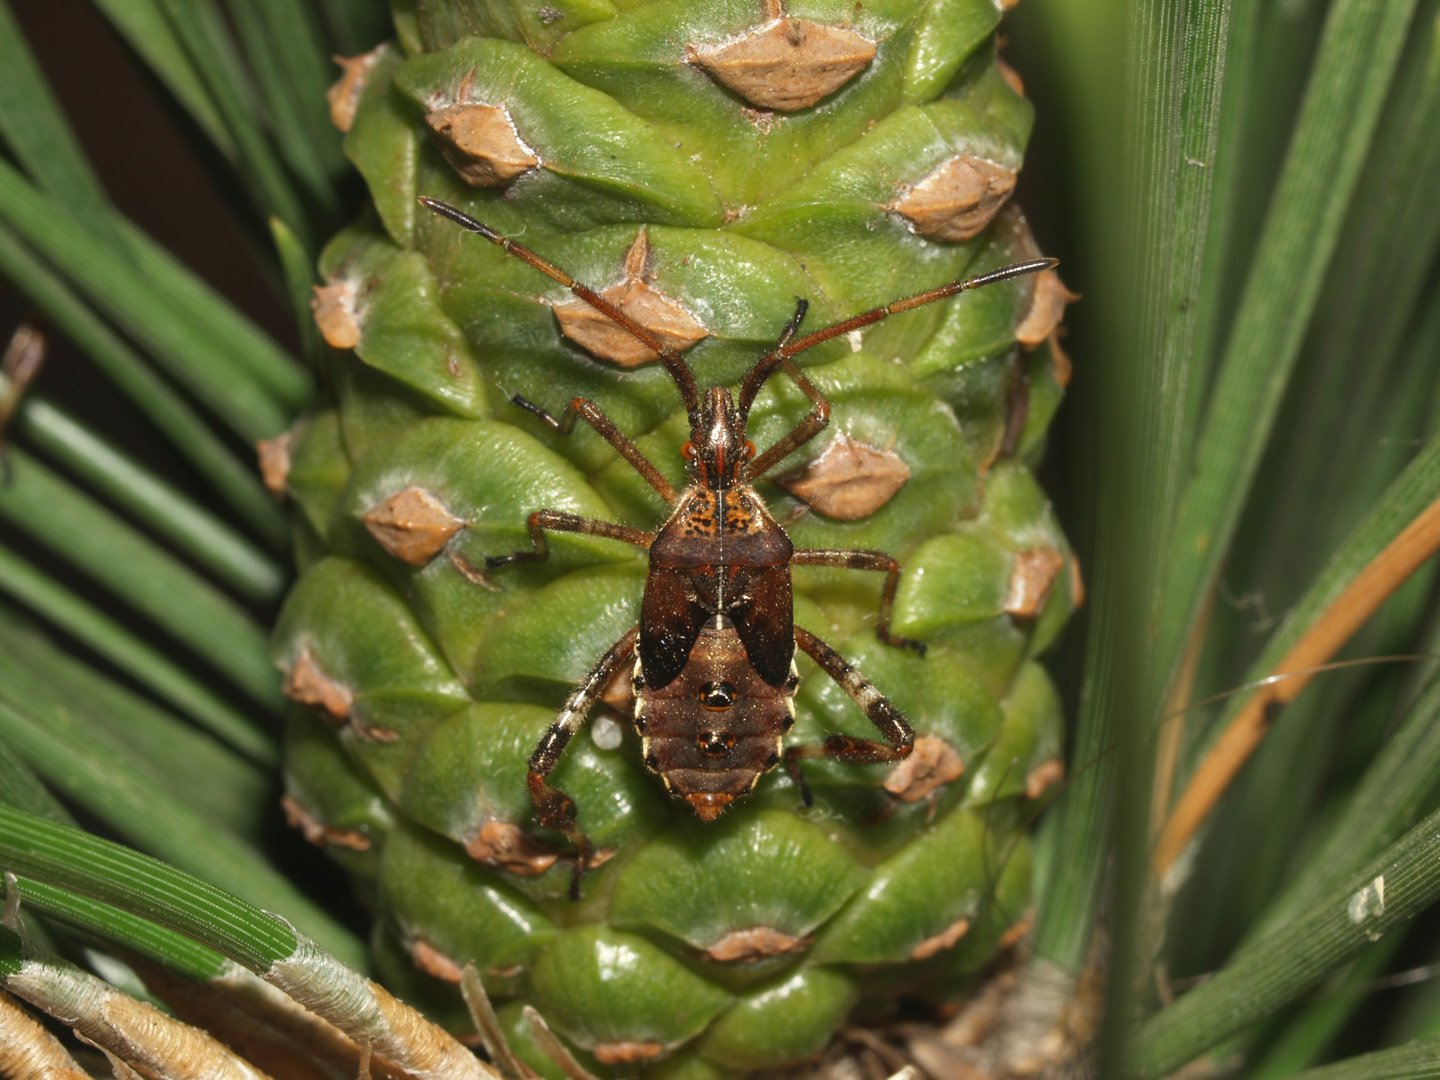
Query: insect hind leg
pixel 553 808
pixel 899 738
pixel 866 560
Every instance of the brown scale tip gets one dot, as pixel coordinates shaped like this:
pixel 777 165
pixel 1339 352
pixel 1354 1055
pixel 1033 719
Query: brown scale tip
pixel 709 805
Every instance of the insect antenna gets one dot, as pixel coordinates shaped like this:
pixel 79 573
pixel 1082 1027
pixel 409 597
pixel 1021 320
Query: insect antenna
pixel 801 307
pixel 673 362
pixel 781 354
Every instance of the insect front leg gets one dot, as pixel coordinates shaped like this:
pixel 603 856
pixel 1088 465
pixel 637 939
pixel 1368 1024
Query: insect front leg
pixel 553 808
pixel 899 738
pixel 584 409
pixel 542 521
pixel 866 560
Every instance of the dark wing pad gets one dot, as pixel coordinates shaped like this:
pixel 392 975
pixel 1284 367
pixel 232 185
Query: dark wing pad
pixel 670 622
pixel 766 623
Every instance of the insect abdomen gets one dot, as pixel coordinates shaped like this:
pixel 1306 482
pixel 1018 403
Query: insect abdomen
pixel 715 729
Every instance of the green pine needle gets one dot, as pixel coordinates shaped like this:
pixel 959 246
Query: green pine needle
pixel 1395 887
pixel 175 598
pixel 107 872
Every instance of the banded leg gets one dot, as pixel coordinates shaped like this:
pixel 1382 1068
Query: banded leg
pixel 542 521
pixel 553 808
pixel 865 560
pixel 585 409
pixel 899 738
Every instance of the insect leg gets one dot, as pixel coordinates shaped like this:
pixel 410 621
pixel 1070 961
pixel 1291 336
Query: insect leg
pixel 553 808
pixel 542 521
pixel 899 738
pixel 865 560
pixel 585 409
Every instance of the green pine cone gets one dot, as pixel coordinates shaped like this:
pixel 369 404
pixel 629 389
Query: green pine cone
pixel 702 166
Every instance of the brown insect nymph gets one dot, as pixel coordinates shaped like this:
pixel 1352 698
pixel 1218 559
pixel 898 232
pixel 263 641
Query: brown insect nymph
pixel 713 654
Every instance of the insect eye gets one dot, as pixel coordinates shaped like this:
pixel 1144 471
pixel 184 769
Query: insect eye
pixel 688 450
